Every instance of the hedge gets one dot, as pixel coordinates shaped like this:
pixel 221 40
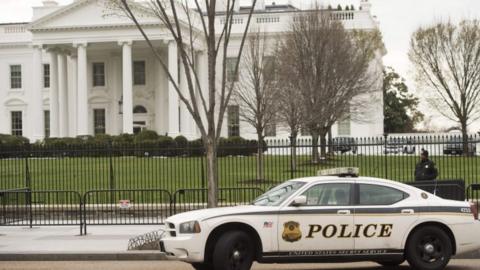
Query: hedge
pixel 144 144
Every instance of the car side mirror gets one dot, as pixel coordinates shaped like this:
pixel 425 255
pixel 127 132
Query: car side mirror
pixel 299 201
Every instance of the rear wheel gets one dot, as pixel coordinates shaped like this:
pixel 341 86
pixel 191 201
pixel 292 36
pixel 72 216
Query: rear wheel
pixel 233 251
pixel 429 248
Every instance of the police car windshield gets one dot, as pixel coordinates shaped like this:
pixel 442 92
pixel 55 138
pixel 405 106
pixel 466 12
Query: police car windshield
pixel 278 194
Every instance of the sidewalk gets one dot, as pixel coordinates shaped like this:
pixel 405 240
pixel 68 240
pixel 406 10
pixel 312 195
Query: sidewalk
pixel 65 243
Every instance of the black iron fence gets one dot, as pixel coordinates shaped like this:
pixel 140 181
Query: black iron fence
pixel 126 207
pixel 155 166
pixel 192 199
pixel 23 207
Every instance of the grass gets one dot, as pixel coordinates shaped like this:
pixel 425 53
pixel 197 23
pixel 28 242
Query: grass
pixel 83 174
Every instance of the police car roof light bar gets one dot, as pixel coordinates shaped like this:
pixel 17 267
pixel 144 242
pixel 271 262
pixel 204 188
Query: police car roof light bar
pixel 341 172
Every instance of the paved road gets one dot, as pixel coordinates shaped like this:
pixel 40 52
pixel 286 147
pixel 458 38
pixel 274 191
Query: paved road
pixel 157 265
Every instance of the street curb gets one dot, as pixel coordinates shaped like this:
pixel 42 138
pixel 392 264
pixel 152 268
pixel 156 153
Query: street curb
pixel 123 256
pixel 118 256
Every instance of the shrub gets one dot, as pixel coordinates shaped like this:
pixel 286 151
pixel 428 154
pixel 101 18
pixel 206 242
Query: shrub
pixel 145 135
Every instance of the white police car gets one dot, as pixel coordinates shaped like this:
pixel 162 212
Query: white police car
pixel 327 219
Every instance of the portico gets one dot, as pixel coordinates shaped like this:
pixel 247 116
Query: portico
pixel 105 81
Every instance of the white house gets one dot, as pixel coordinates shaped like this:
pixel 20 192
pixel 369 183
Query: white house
pixel 77 70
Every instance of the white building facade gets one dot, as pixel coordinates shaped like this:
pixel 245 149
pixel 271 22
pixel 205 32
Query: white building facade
pixel 80 70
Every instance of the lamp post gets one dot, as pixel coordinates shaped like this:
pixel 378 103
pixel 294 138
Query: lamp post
pixel 120 105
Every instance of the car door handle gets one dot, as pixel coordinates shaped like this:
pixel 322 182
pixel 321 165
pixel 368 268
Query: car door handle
pixel 344 212
pixel 408 211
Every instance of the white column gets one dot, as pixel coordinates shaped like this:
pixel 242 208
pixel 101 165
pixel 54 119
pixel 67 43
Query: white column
pixel 36 120
pixel 160 99
pixel 127 86
pixel 173 127
pixel 72 95
pixel 62 95
pixel 117 95
pixel 53 93
pixel 186 128
pixel 82 90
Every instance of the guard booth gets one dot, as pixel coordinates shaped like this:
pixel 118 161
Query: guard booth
pixel 446 189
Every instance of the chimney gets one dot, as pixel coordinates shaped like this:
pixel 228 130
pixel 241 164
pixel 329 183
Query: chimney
pixel 50 3
pixel 365 5
pixel 260 5
pixel 221 6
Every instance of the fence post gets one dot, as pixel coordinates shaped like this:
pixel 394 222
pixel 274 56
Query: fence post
pixel 28 179
pixel 292 145
pixel 112 176
pixel 385 154
pixel 203 175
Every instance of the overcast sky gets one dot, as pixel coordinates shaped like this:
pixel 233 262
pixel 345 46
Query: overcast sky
pixel 398 20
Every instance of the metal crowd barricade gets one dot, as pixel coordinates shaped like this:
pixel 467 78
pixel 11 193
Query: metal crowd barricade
pixel 193 199
pixel 23 207
pixel 125 207
pixel 473 194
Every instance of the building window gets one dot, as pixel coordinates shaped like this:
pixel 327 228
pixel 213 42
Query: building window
pixel 98 74
pixel 233 121
pixel 15 76
pixel 46 75
pixel 139 109
pixel 46 118
pixel 99 121
pixel 271 130
pixel 344 127
pixel 17 123
pixel 231 75
pixel 139 76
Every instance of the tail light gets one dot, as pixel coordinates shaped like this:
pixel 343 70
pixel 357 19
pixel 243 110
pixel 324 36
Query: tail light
pixel 474 209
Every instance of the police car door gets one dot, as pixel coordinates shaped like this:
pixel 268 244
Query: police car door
pixel 380 220
pixel 318 228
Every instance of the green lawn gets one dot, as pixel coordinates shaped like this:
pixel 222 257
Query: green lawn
pixel 82 174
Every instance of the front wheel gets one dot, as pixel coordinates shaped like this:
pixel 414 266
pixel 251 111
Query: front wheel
pixel 391 263
pixel 233 251
pixel 429 248
pixel 201 266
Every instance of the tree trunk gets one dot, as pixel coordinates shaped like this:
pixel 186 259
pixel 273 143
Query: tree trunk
pixel 212 176
pixel 463 123
pixel 323 146
pixel 260 171
pixel 315 157
pixel 293 143
pixel 330 140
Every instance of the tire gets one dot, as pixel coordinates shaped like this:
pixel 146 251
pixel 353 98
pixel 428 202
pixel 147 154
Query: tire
pixel 201 266
pixel 233 251
pixel 429 248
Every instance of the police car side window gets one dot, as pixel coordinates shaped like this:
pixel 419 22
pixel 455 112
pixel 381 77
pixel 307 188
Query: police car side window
pixel 328 195
pixel 379 195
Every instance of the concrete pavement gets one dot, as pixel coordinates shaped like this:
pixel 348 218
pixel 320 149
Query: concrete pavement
pixel 162 265
pixel 65 243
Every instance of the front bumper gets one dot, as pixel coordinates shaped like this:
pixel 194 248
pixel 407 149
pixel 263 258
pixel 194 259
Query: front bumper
pixel 187 248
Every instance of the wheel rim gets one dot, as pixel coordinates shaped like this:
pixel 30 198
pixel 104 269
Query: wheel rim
pixel 237 255
pixel 431 249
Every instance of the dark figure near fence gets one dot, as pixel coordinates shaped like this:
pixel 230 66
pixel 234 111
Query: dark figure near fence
pixel 425 169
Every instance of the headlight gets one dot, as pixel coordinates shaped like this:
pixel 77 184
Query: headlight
pixel 190 227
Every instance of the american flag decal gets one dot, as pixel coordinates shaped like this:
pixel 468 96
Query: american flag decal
pixel 267 224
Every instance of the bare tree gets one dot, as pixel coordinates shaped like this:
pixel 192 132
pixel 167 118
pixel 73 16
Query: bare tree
pixel 330 67
pixel 447 62
pixel 255 91
pixel 289 105
pixel 192 24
